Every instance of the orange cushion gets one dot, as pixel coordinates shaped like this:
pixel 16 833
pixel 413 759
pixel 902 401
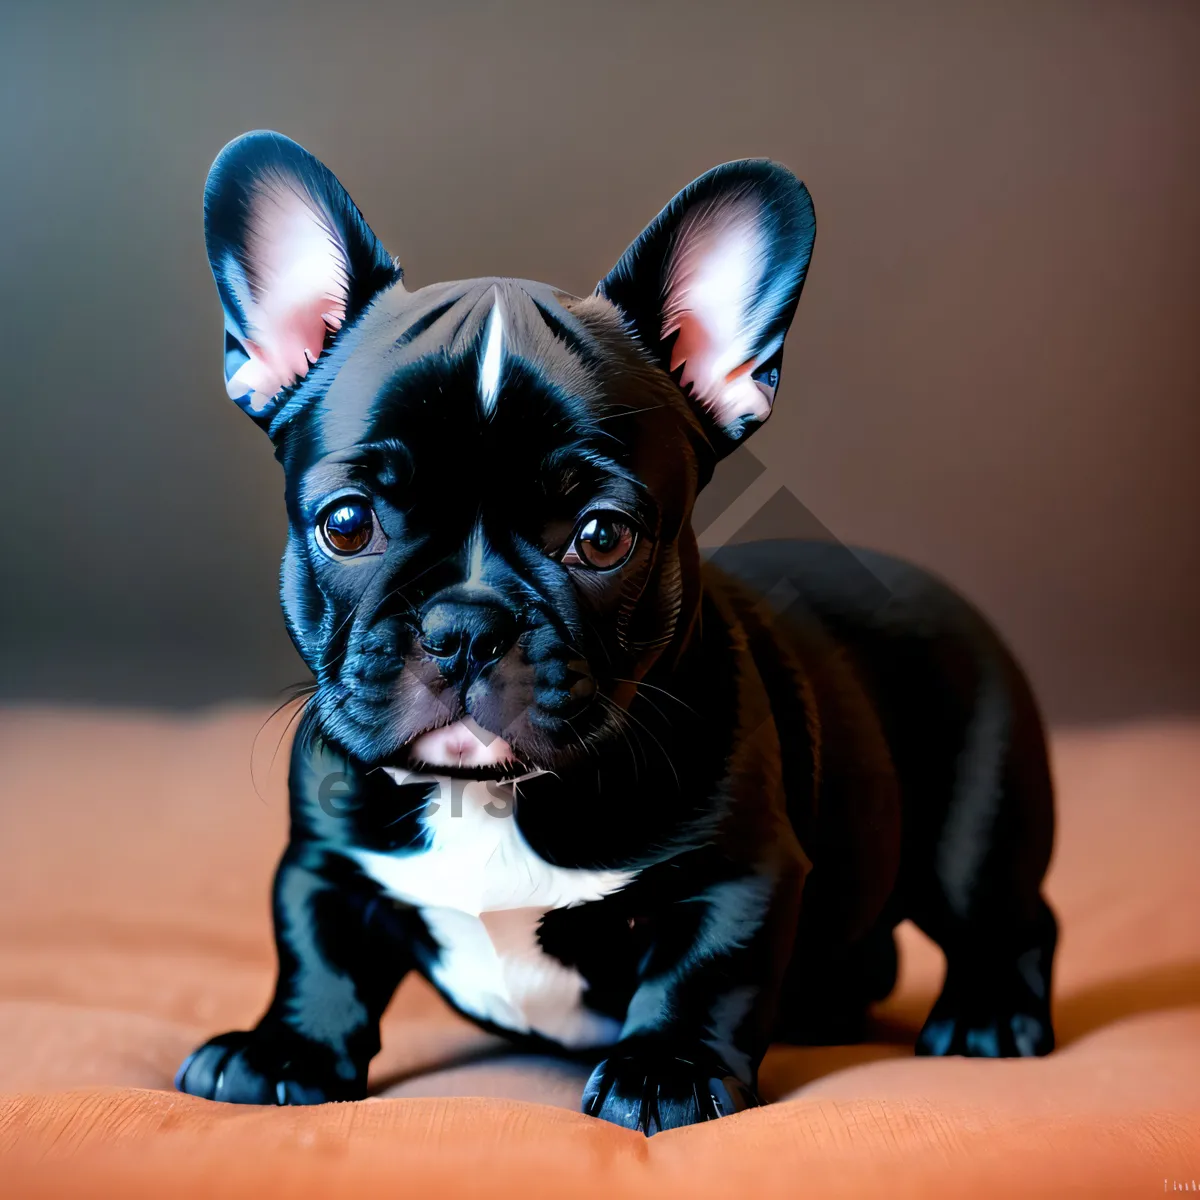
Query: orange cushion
pixel 135 856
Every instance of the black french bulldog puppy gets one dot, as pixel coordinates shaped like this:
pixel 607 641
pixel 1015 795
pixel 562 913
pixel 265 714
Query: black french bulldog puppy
pixel 597 791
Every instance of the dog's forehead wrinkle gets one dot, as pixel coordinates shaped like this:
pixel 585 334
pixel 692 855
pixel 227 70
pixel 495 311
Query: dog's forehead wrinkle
pixel 427 322
pixel 444 328
pixel 420 356
pixel 523 321
pixel 562 337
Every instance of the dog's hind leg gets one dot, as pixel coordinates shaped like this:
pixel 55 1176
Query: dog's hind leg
pixel 975 887
pixel 826 994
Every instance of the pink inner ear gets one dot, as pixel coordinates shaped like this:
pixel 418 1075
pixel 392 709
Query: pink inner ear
pixel 711 279
pixel 298 291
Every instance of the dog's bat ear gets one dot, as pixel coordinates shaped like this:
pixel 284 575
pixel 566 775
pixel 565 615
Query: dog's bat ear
pixel 293 260
pixel 711 285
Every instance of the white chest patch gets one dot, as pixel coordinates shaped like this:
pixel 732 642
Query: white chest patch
pixel 482 892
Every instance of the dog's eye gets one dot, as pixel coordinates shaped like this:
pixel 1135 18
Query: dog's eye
pixel 347 527
pixel 768 377
pixel 604 541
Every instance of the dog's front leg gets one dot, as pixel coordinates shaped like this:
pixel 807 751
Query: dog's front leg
pixel 699 1022
pixel 341 956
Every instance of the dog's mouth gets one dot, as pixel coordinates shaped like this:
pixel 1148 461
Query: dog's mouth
pixel 463 750
pixel 516 772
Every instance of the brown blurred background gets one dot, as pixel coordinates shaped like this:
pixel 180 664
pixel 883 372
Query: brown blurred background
pixel 994 369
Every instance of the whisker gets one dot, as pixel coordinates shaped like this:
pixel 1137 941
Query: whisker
pixel 620 717
pixel 291 721
pixel 654 738
pixel 641 683
pixel 303 692
pixel 628 716
pixel 403 816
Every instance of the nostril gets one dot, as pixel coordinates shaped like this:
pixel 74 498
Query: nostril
pixel 466 635
pixel 442 643
pixel 488 647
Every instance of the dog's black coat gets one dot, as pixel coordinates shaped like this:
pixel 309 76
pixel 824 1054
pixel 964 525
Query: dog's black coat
pixel 775 789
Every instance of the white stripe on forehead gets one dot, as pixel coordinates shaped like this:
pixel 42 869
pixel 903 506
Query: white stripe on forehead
pixel 493 350
pixel 475 557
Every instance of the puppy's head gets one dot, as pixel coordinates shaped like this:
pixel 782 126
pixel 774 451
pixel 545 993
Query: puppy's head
pixel 489 483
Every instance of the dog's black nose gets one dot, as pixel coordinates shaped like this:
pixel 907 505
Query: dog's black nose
pixel 466 630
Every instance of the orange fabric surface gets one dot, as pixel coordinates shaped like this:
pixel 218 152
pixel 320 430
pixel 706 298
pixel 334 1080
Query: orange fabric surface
pixel 135 856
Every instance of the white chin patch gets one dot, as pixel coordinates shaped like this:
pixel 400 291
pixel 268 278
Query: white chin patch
pixel 463 744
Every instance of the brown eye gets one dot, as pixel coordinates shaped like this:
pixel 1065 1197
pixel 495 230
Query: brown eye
pixel 348 527
pixel 604 541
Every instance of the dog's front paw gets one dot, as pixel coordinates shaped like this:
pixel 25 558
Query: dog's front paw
pixel 268 1065
pixel 652 1093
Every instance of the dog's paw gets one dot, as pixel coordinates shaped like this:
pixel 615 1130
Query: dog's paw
pixel 986 1035
pixel 656 1093
pixel 997 1007
pixel 267 1066
pixel 984 1014
pixel 983 1018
